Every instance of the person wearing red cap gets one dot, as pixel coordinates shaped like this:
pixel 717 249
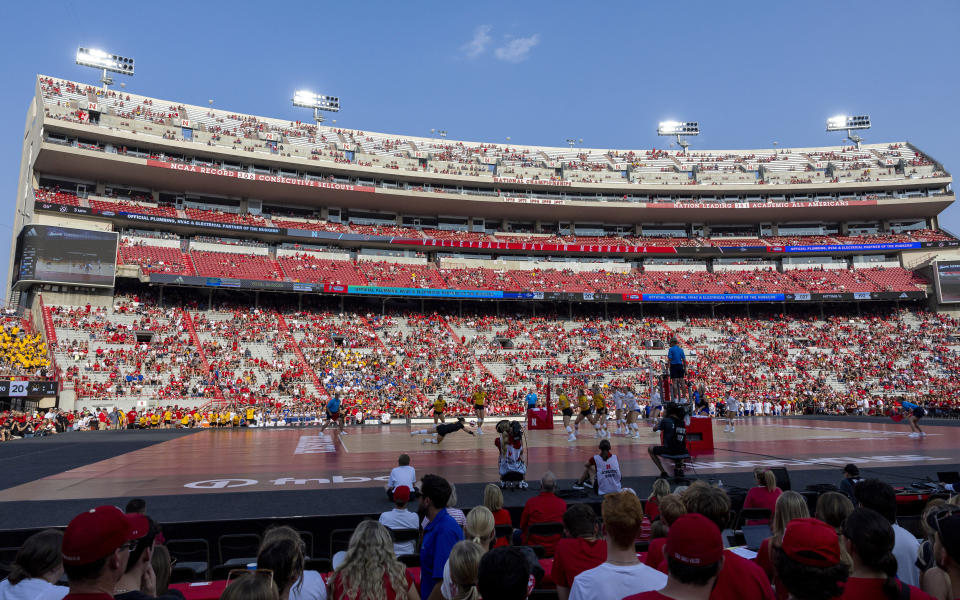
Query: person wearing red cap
pixel 96 550
pixel 808 561
pixel 401 518
pixel 694 553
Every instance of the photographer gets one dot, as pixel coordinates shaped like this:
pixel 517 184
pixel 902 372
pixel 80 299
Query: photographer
pixel 674 436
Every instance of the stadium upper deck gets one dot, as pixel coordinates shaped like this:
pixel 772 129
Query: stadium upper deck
pixel 162 144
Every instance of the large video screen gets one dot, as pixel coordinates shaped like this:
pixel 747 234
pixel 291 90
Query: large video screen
pixel 51 254
pixel 948 281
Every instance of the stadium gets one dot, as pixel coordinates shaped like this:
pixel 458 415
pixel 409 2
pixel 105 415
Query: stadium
pixel 199 283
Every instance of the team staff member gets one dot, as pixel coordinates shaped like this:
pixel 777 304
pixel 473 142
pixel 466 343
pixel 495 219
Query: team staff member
pixel 605 470
pixel 439 405
pixel 333 415
pixel 674 436
pixel 563 402
pixel 479 399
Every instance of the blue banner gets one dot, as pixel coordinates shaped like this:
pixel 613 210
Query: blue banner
pixel 849 247
pixel 712 297
pixel 428 292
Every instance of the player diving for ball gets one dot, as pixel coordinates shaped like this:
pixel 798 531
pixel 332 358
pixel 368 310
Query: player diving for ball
pixel 443 430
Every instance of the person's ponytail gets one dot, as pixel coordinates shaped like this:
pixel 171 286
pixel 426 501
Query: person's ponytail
pixel 873 539
pixel 888 564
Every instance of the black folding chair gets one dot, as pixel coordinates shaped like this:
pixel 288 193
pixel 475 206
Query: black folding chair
pixel 193 554
pixel 339 540
pixel 238 549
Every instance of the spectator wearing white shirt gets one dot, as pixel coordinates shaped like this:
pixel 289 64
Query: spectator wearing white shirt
pixel 622 574
pixel 401 518
pixel 402 474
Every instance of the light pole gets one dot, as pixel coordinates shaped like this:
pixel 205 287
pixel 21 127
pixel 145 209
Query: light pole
pixel 680 130
pixel 848 124
pixel 572 141
pixel 106 63
pixel 317 102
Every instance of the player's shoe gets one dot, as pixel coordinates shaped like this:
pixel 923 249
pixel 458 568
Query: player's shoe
pixel 572 438
pixel 923 434
pixel 914 435
pixel 578 486
pixel 523 485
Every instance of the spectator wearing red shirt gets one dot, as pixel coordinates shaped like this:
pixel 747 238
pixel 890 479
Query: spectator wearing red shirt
pixel 545 507
pixel 809 563
pixel 661 487
pixel 132 419
pixel 493 500
pixel 763 495
pixel 869 539
pixel 671 509
pixel 695 556
pixel 740 578
pixel 582 549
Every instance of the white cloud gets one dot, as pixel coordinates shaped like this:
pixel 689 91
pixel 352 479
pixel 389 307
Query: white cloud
pixel 478 45
pixel 517 49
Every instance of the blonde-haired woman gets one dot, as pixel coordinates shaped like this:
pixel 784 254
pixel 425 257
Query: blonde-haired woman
pixel 661 487
pixel 464 564
pixel 790 506
pixel 480 531
pixel 370 570
pixel 493 500
pixel 763 495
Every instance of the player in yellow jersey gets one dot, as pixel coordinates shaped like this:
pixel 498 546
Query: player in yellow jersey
pixel 439 405
pixel 566 409
pixel 479 400
pixel 251 413
pixel 586 411
pixel 600 411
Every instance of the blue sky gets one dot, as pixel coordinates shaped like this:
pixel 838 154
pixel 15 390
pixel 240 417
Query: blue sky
pixel 539 72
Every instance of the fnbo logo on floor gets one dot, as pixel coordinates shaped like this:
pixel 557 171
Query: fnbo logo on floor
pixel 219 484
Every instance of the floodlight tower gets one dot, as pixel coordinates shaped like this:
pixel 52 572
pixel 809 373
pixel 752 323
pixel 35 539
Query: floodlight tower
pixel 681 129
pixel 848 124
pixel 441 132
pixel 106 62
pixel 317 102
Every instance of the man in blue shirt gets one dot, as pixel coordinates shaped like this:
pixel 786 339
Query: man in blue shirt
pixel 333 416
pixel 531 399
pixel 439 536
pixel 678 368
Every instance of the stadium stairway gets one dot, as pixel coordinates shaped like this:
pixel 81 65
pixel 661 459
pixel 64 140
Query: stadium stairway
pixel 285 332
pixel 188 323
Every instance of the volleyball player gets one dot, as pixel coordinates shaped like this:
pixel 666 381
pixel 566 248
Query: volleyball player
pixel 618 398
pixel 333 416
pixel 439 405
pixel 732 407
pixel 586 411
pixel 479 398
pixel 633 410
pixel 445 429
pixel 600 411
pixel 915 412
pixel 563 402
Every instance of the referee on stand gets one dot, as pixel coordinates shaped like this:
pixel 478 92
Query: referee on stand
pixel 678 369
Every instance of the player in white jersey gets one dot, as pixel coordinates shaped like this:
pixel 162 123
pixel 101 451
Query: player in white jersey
pixel 633 411
pixel 732 407
pixel 619 398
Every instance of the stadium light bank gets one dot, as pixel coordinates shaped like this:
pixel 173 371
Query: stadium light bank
pixel 848 124
pixel 681 129
pixel 317 102
pixel 106 63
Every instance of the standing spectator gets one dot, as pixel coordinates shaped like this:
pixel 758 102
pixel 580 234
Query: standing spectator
pixel 694 558
pixel 851 477
pixel 370 571
pixel 809 562
pixel 401 518
pixel 504 574
pixel 439 536
pixel 870 541
pixel 622 573
pixel 739 577
pixel 790 506
pixel 493 500
pixel 545 507
pixel 402 474
pixel 37 568
pixel 763 495
pixel 96 548
pixel 880 497
pixel 579 550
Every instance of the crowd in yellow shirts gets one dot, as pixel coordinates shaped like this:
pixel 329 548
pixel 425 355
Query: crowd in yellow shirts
pixel 21 353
